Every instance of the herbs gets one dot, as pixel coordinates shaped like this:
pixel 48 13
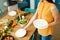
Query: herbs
pixel 9 23
pixel 17 19
pixel 7 30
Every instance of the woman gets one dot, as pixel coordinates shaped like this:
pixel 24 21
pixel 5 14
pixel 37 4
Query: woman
pixel 48 11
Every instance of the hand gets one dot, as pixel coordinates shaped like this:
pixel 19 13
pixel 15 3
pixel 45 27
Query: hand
pixel 25 28
pixel 51 24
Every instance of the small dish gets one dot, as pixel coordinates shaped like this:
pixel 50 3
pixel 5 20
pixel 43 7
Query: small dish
pixel 12 13
pixel 20 33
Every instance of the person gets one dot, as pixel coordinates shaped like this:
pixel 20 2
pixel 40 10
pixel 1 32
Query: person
pixel 46 10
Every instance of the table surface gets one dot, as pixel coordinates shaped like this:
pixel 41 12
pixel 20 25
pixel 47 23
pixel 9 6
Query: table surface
pixel 31 28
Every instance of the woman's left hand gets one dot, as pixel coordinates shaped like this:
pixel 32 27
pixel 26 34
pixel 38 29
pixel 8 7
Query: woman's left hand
pixel 52 24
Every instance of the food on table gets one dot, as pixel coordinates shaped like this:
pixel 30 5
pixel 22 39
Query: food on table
pixel 9 23
pixel 5 27
pixel 8 37
pixel 23 21
pixel 2 33
pixel 14 24
pixel 8 30
pixel 21 16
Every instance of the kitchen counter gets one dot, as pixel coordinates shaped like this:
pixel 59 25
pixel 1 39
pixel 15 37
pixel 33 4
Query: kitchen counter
pixel 30 31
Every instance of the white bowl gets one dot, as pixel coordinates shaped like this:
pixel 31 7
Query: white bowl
pixel 40 23
pixel 20 33
pixel 12 13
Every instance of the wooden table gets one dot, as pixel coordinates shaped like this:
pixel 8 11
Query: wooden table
pixel 30 30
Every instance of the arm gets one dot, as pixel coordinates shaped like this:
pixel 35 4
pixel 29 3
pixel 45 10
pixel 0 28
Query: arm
pixel 55 14
pixel 31 20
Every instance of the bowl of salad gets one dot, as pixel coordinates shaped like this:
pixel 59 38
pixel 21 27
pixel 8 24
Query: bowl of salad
pixel 23 22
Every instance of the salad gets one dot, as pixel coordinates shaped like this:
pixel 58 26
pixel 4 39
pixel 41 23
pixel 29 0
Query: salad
pixel 23 21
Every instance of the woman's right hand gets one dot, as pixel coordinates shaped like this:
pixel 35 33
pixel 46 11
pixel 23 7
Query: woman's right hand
pixel 26 27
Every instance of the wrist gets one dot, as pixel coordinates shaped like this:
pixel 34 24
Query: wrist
pixel 50 24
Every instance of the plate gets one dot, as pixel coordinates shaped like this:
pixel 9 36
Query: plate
pixel 40 23
pixel 20 33
pixel 12 13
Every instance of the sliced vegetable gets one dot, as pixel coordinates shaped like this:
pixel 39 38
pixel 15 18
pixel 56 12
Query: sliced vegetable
pixel 14 24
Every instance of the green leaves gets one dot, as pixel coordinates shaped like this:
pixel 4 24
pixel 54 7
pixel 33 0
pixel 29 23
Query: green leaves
pixel 9 23
pixel 8 30
pixel 23 21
